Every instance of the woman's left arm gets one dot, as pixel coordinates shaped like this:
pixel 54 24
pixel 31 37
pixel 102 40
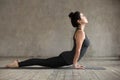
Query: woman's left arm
pixel 80 36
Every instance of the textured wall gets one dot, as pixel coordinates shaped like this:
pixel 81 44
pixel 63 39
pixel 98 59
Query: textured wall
pixel 42 27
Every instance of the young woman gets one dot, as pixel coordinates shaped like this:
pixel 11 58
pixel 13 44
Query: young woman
pixel 72 57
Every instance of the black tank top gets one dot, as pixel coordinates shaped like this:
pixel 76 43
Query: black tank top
pixel 69 55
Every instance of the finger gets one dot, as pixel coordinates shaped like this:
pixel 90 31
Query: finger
pixel 81 67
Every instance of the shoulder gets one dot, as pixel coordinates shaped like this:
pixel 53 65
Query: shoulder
pixel 80 34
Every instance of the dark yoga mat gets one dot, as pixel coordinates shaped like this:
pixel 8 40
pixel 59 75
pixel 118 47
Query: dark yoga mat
pixel 86 68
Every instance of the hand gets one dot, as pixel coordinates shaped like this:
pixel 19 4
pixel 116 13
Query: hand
pixel 78 66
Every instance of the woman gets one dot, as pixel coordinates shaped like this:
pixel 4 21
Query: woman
pixel 81 44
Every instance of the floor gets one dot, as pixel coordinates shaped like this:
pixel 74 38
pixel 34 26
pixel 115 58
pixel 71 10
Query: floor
pixel 96 69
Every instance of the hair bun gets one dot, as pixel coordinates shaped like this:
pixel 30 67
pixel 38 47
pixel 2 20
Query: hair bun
pixel 71 14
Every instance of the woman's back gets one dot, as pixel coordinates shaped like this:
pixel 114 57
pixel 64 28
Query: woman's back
pixel 69 55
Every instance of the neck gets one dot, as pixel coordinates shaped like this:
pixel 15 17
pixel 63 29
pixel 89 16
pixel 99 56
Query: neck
pixel 82 27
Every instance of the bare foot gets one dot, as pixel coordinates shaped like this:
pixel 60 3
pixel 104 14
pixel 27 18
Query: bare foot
pixel 14 64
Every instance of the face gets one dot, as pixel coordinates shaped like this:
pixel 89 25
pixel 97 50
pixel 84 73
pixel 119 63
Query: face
pixel 83 19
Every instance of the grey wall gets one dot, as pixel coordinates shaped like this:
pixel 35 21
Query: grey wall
pixel 42 27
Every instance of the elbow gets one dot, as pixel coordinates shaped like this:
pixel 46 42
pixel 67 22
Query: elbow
pixel 78 50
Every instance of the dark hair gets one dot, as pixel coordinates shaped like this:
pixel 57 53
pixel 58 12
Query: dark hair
pixel 74 16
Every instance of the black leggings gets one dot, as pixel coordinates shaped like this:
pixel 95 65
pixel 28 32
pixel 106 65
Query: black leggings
pixel 53 62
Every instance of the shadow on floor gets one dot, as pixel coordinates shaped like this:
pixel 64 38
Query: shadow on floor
pixel 87 68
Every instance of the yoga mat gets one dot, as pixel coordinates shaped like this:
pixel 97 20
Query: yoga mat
pixel 86 68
